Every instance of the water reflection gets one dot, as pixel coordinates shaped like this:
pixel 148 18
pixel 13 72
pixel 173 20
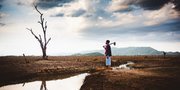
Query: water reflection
pixel 71 83
pixel 43 85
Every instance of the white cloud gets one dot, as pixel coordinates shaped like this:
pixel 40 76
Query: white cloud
pixel 2 15
pixel 121 19
pixel 138 17
pixel 167 12
pixel 116 5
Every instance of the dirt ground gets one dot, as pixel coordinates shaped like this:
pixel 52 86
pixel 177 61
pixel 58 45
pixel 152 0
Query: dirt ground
pixel 148 73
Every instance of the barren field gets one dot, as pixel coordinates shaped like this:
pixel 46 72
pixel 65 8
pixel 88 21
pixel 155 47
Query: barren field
pixel 148 72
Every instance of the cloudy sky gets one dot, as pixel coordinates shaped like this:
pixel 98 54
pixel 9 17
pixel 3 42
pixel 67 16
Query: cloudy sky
pixel 80 25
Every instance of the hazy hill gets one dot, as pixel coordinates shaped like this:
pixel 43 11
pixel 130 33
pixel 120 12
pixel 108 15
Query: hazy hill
pixel 89 54
pixel 127 51
pixel 135 51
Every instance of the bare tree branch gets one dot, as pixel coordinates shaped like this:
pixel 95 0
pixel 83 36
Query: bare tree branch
pixel 39 22
pixel 48 41
pixel 37 10
pixel 42 41
pixel 45 25
pixel 33 34
pixel 42 19
pixel 40 38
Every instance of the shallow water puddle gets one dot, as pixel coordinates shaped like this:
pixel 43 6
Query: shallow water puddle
pixel 71 83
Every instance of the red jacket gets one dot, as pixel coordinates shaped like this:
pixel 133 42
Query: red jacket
pixel 108 50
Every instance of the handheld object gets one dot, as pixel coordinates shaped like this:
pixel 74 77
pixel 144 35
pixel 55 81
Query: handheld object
pixel 114 43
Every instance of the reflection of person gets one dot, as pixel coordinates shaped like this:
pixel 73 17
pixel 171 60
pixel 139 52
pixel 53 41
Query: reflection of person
pixel 164 54
pixel 43 84
pixel 107 48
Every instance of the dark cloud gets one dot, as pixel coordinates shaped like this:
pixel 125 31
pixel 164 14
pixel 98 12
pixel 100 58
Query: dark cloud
pixel 167 27
pixel 130 8
pixel 172 26
pixel 98 10
pixel 157 4
pixel 58 15
pixel 2 24
pixel 1 4
pixel 78 13
pixel 148 4
pixel 95 10
pixel 20 3
pixel 1 1
pixel 177 3
pixel 135 6
pixel 152 4
pixel 2 14
pixel 46 4
pixel 166 31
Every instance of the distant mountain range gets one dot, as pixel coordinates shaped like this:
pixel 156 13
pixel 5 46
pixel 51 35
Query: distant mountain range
pixel 128 51
pixel 89 54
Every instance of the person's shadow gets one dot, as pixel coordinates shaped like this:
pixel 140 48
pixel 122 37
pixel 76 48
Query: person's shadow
pixel 43 85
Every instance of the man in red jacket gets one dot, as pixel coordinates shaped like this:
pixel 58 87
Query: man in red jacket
pixel 107 48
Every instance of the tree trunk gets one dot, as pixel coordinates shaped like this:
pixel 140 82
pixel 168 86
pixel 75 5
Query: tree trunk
pixel 44 54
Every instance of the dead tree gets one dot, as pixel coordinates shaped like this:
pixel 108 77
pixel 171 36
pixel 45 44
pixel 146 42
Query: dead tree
pixel 42 41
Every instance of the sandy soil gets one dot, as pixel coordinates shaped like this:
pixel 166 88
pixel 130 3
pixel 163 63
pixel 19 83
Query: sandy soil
pixel 149 73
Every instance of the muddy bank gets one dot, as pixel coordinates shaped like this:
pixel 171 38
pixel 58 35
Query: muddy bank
pixel 16 70
pixel 149 72
pixel 146 75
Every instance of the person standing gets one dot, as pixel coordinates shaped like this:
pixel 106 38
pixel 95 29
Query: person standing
pixel 108 54
pixel 164 54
